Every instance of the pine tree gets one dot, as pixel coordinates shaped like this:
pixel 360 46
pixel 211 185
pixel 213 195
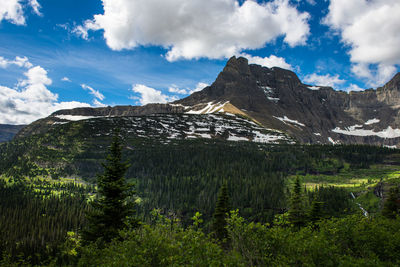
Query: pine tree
pixel 113 207
pixel 220 214
pixel 316 211
pixel 391 206
pixel 296 211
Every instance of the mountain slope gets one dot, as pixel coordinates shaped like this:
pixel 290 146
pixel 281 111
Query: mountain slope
pixel 312 114
pixel 7 131
pixel 276 99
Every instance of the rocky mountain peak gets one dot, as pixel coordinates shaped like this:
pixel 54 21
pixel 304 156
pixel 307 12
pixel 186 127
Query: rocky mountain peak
pixel 390 92
pixel 394 83
pixel 276 99
pixel 238 65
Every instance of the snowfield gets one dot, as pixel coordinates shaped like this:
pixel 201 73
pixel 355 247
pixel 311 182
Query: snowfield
pixel 389 132
pixel 187 126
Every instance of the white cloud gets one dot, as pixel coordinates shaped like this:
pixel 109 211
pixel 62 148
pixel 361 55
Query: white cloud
pixel 35 6
pixel 12 10
pixel 150 95
pixel 65 79
pixel 82 31
pixel 93 92
pixel 377 76
pixel 31 99
pixel 18 61
pixel 271 61
pixel 176 90
pixel 371 29
pixel 323 80
pixel 355 88
pixel 197 28
pixel 200 86
pixel 97 103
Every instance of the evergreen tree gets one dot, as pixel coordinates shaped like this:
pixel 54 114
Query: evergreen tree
pixel 296 209
pixel 316 211
pixel 391 206
pixel 113 208
pixel 220 214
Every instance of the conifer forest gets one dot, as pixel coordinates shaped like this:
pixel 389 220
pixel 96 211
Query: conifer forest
pixel 198 203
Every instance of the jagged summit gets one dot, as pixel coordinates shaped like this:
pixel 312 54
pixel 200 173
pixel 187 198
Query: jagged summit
pixel 276 99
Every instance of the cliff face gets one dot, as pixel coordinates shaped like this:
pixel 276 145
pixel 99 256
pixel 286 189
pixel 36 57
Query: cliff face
pixel 277 99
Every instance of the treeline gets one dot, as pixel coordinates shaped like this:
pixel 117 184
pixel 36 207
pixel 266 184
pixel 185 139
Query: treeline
pixel 183 176
pixel 36 215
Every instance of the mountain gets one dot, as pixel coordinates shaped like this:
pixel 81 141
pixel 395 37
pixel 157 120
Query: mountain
pixel 312 114
pixel 7 131
pixel 277 100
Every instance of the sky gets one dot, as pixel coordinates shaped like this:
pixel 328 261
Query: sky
pixel 73 53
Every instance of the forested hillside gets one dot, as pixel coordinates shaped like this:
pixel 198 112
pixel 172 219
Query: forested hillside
pixel 178 178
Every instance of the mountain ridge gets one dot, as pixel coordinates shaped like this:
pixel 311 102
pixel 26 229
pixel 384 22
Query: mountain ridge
pixel 276 99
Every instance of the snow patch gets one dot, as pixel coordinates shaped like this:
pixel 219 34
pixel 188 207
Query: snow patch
pixel 389 132
pixel 317 134
pixel 237 138
pixel 314 88
pixel 75 117
pixel 210 108
pixel 333 141
pixel 273 99
pixel 285 119
pixel 60 122
pixel 372 121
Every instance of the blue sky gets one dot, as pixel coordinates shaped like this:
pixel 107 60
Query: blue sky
pixel 69 53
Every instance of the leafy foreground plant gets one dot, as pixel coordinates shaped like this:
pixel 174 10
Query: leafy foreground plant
pixel 165 243
pixel 350 241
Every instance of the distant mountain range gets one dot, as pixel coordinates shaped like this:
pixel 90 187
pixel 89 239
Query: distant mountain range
pixel 7 131
pixel 274 99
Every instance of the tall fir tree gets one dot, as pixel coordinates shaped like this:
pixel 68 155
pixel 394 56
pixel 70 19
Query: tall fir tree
pixel 296 208
pixel 220 214
pixel 391 206
pixel 316 211
pixel 113 209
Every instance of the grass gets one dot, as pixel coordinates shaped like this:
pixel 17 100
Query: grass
pixel 359 181
pixel 356 180
pixel 45 186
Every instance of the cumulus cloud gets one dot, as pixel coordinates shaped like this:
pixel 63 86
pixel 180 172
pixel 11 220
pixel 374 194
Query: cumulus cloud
pixel 31 99
pixel 194 29
pixel 376 76
pixel 323 80
pixel 200 86
pixel 175 90
pixel 371 29
pixel 65 79
pixel 150 95
pixel 18 61
pixel 271 61
pixel 355 88
pixel 12 10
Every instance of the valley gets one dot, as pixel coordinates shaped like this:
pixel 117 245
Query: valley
pixel 258 131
